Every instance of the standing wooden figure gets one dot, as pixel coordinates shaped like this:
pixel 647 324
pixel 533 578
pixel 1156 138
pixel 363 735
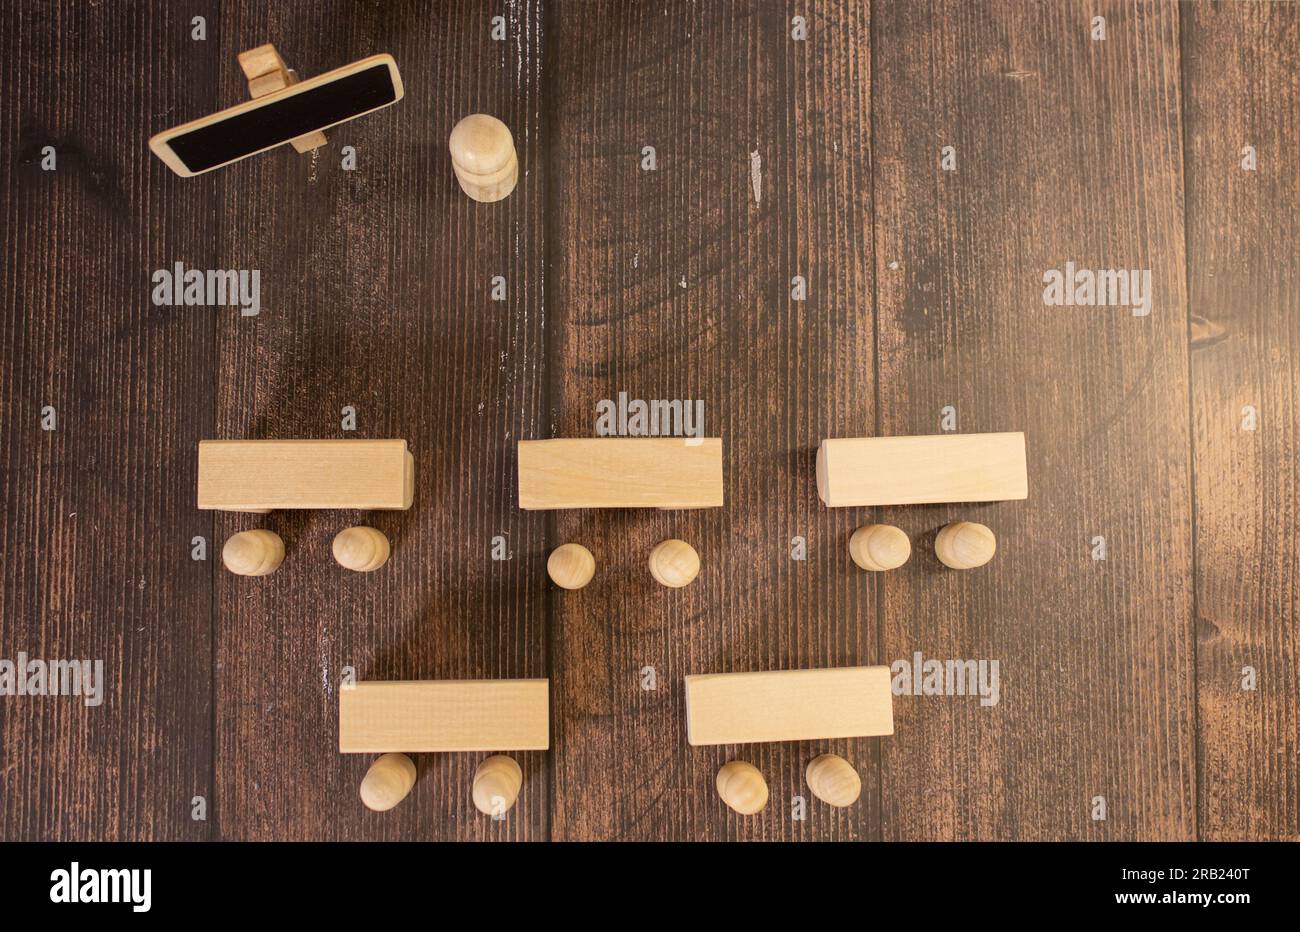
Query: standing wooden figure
pixel 965 545
pixel 387 782
pixel 483 157
pixel 362 549
pixel 253 553
pixel 496 785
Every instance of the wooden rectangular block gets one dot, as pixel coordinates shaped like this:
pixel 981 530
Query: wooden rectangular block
pixel 621 472
pixel 445 715
pixel 922 470
pixel 788 705
pixel 261 475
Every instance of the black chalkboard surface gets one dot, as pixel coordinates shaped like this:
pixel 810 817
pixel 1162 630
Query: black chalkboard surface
pixel 257 125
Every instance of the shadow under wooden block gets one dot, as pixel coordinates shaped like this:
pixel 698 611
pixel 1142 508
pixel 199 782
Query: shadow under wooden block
pixel 445 715
pixel 788 705
pixel 621 472
pixel 922 470
pixel 262 475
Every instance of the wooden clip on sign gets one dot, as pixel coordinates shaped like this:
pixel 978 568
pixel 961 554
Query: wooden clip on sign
pixel 621 472
pixel 283 110
pixel 266 73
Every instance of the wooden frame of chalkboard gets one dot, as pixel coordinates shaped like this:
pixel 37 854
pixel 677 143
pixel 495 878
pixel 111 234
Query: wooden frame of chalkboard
pixel 273 120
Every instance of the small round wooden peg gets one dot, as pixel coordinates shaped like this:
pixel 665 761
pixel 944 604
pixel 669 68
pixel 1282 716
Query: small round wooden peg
pixel 253 553
pixel 674 563
pixel 965 545
pixel 571 566
pixel 483 157
pixel 742 787
pixel 833 780
pixel 879 547
pixel 496 785
pixel 387 782
pixel 362 549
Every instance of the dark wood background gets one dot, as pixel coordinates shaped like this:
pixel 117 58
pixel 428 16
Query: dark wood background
pixel 1120 678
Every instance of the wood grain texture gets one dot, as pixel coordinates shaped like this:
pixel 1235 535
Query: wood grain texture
pixel 444 715
pixel 676 283
pixel 376 288
pixel 621 472
pixel 98 514
pixel 376 293
pixel 1241 87
pixel 923 469
pixel 1067 149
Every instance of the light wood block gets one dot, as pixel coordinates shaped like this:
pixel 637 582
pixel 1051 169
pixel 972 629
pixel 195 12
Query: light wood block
pixel 964 545
pixel 922 470
pixel 571 566
pixel 260 475
pixel 879 547
pixel 267 73
pixel 674 563
pixel 253 553
pixel 620 472
pixel 445 715
pixel 788 705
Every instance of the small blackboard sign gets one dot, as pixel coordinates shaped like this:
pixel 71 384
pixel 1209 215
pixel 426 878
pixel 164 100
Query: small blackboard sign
pixel 266 122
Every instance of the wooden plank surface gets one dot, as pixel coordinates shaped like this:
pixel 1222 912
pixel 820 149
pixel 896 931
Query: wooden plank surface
pixel 1241 88
pixel 676 283
pixel 264 475
pixel 376 294
pixel 673 283
pixel 922 470
pixel 98 514
pixel 1067 149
